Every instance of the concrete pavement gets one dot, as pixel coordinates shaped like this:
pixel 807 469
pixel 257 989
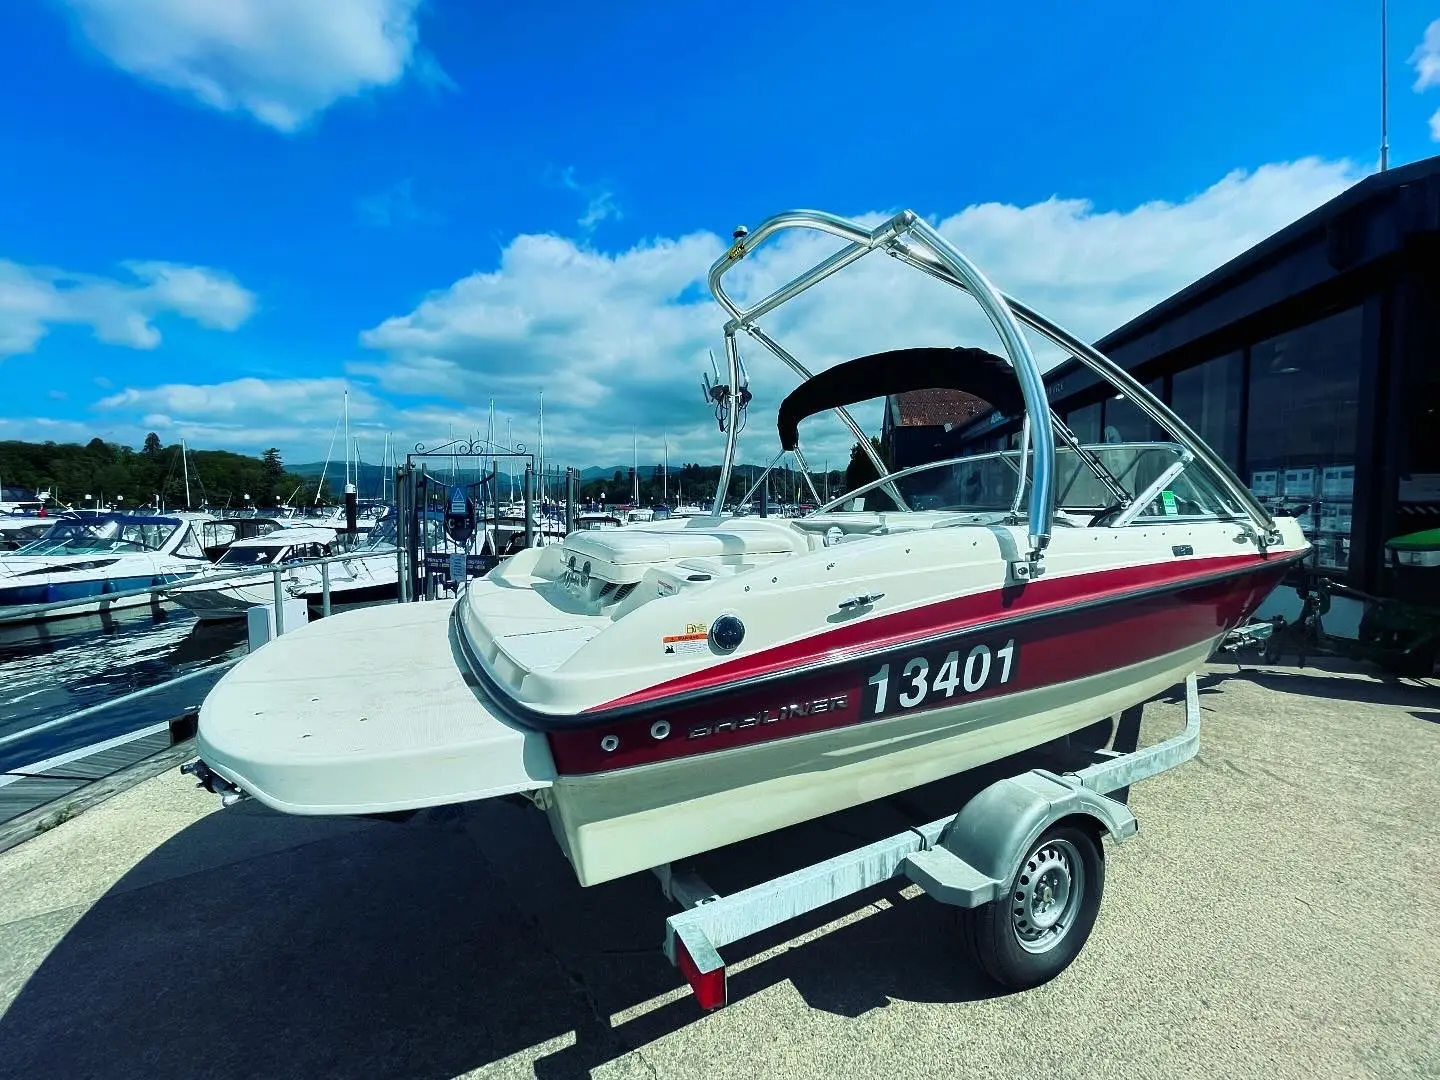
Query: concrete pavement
pixel 1274 918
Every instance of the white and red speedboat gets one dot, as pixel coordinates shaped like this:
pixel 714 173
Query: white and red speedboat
pixel 672 687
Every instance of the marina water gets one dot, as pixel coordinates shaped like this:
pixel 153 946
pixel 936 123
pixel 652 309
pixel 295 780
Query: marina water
pixel 51 670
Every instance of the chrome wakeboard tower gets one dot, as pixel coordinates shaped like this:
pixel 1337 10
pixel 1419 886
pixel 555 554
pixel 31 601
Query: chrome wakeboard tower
pixel 910 239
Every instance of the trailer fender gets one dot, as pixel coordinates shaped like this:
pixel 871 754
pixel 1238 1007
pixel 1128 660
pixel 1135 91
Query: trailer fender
pixel 978 852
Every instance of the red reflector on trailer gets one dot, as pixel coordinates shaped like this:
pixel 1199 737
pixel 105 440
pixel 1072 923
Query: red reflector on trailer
pixel 709 986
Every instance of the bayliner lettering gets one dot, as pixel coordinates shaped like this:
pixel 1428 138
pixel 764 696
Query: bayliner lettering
pixel 837 703
pixel 930 680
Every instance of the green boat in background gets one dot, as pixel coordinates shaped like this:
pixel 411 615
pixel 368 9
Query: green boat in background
pixel 1399 632
pixel 1421 549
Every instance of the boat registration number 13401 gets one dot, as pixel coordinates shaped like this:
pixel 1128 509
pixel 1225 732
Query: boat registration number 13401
pixel 908 684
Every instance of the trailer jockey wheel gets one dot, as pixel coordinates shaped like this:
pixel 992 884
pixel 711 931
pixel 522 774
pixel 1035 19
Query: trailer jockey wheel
pixel 1032 932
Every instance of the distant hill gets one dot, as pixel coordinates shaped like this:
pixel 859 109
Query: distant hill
pixel 606 472
pixel 369 475
pixel 367 481
pixel 690 482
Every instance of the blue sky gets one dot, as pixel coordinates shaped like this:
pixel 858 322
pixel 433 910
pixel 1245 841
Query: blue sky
pixel 215 216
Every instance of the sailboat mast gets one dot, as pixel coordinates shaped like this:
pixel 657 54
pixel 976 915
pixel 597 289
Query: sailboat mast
pixel 635 465
pixel 542 448
pixel 185 467
pixel 490 440
pixel 665 473
pixel 347 441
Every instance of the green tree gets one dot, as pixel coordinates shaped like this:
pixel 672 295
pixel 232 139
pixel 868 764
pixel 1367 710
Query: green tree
pixel 861 470
pixel 152 448
pixel 72 470
pixel 272 476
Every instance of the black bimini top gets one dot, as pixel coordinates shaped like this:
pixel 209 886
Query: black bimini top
pixel 898 371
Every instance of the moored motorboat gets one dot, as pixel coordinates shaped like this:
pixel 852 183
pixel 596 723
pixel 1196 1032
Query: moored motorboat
pixel 216 593
pixel 368 575
pixel 17 530
pixel 98 564
pixel 217 534
pixel 667 688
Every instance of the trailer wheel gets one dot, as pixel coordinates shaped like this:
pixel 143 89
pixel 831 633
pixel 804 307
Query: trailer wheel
pixel 1032 933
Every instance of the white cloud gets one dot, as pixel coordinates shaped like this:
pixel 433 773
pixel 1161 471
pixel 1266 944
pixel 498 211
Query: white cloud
pixel 1426 59
pixel 281 61
pixel 119 312
pixel 301 416
pixel 600 202
pixel 47 429
pixel 242 402
pixel 618 341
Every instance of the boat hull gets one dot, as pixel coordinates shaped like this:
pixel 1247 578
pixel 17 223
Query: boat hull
pixel 613 824
pixel 221 602
pixel 344 598
pixel 80 597
pixel 738 763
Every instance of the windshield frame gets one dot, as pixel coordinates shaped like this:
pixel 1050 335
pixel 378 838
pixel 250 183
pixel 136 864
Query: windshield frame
pixel 1134 510
pixel 914 242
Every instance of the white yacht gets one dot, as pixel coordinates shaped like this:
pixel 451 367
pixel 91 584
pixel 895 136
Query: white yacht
pixel 371 573
pixel 232 598
pixel 87 562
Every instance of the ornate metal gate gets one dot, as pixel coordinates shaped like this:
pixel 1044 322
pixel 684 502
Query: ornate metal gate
pixel 451 502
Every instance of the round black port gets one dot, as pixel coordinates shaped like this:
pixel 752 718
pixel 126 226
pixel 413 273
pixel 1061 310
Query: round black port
pixel 726 633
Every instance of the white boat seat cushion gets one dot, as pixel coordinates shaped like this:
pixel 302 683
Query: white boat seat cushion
pixel 631 545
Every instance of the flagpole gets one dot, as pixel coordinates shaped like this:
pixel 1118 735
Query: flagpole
pixel 1384 90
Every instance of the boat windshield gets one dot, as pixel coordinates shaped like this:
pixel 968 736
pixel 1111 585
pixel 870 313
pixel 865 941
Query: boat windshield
pixel 383 537
pixel 250 556
pixel 101 538
pixel 986 483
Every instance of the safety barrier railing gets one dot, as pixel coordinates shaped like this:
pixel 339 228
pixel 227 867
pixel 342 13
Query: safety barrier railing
pixel 277 573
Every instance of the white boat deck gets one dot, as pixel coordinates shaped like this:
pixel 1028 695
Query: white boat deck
pixel 364 745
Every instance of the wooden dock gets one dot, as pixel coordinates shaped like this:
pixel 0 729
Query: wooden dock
pixel 40 796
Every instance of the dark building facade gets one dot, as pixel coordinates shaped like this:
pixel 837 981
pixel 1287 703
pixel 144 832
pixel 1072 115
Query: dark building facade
pixel 1311 363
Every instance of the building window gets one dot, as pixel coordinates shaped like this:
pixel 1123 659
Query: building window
pixel 1085 423
pixel 1207 397
pixel 1301 436
pixel 1124 422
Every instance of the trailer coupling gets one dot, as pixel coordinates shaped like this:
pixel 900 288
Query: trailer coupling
pixel 213 782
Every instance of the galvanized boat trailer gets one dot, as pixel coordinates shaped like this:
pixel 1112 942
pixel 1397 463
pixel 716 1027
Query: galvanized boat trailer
pixel 1022 862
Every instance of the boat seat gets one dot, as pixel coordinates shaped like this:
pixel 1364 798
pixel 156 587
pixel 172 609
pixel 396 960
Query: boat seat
pixel 631 545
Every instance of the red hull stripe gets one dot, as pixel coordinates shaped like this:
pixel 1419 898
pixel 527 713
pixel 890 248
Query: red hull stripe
pixel 1089 632
pixel 946 617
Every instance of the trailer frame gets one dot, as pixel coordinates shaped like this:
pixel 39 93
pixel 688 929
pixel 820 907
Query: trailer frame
pixel 964 860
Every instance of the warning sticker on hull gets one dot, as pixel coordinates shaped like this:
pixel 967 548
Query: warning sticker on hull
pixel 693 640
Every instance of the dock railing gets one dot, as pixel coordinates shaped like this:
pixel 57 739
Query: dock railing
pixel 277 573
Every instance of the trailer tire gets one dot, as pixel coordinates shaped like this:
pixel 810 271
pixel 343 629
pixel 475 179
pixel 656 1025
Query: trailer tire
pixel 1053 899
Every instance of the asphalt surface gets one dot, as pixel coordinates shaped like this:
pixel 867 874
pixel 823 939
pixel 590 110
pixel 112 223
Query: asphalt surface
pixel 1274 918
